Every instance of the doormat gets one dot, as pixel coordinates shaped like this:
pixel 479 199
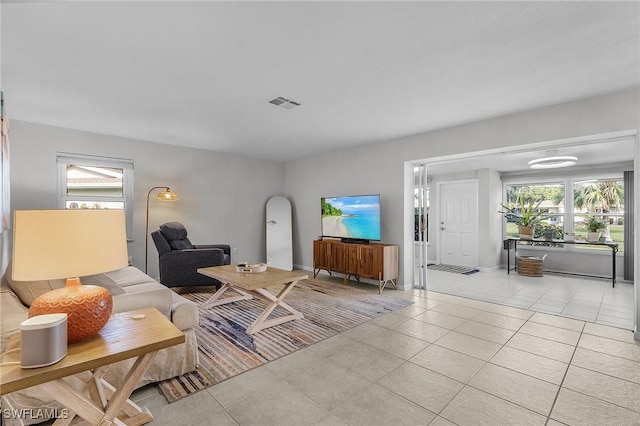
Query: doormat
pixel 226 350
pixel 452 268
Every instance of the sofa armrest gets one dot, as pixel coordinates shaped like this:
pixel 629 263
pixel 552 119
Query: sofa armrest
pixel 151 294
pixel 184 313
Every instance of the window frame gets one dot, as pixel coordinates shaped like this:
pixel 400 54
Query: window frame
pixel 568 180
pixel 64 159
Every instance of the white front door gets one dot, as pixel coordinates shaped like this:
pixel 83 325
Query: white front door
pixel 458 203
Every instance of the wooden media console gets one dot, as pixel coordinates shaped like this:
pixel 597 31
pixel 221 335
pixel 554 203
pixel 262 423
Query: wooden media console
pixel 375 261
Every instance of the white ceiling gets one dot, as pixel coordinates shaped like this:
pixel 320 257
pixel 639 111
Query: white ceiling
pixel 616 152
pixel 200 74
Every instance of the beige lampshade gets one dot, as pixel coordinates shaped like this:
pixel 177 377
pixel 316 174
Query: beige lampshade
pixel 50 244
pixel 53 244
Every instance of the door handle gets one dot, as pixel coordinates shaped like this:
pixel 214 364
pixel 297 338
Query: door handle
pixel 272 222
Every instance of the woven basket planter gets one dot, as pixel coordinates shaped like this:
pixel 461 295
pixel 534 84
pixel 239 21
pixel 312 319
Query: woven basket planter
pixel 530 266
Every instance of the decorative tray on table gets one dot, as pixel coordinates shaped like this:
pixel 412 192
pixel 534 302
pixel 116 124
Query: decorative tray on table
pixel 251 268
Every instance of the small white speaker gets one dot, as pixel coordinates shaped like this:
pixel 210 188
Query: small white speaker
pixel 43 340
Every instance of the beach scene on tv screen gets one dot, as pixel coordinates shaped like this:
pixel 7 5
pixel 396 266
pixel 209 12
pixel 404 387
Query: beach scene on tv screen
pixel 351 217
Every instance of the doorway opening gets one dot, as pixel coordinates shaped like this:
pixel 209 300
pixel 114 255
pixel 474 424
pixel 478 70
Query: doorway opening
pixel 623 146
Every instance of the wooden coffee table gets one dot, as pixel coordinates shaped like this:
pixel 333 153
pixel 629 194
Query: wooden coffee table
pixel 98 402
pixel 258 282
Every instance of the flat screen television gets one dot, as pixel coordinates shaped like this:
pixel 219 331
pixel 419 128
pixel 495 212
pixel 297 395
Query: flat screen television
pixel 352 218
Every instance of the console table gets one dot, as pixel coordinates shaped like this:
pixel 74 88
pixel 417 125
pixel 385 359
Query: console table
pixel 512 243
pixel 99 403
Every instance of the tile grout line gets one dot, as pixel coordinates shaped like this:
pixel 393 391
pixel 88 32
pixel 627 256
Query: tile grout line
pixel 568 363
pixel 564 376
pixel 480 369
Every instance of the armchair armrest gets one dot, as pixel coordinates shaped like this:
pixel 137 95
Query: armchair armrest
pixel 226 248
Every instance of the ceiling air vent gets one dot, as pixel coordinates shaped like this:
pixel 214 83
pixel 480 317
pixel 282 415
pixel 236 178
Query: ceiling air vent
pixel 283 102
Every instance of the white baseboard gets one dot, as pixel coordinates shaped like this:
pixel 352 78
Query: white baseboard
pixel 492 268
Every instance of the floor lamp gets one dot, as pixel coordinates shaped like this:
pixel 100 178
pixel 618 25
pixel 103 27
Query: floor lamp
pixel 165 195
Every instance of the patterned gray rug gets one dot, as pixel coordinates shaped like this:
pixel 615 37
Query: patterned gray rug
pixel 226 350
pixel 452 268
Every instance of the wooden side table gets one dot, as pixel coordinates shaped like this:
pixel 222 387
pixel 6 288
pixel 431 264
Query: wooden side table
pixel 98 402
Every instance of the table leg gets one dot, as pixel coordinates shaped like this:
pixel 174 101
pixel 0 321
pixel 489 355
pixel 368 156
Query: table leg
pixel 262 322
pixel 121 395
pixel 118 399
pixel 613 265
pixel 69 396
pixel 382 285
pixel 130 408
pixel 216 300
pixel 92 389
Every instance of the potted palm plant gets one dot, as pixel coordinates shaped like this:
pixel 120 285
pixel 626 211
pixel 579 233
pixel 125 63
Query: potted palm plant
pixel 594 227
pixel 525 216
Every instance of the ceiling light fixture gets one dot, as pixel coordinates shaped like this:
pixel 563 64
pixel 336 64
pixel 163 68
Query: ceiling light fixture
pixel 553 162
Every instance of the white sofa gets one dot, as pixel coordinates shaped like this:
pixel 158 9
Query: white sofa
pixel 131 289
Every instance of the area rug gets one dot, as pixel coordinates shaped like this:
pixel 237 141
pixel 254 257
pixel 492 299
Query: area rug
pixel 451 268
pixel 225 349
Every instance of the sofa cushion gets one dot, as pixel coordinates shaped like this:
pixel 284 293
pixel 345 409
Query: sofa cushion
pixel 129 275
pixel 103 280
pixel 28 291
pixel 12 313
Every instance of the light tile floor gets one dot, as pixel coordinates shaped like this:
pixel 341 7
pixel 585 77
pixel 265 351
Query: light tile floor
pixel 592 300
pixel 443 360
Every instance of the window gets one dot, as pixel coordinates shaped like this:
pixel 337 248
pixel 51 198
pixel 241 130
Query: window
pixel 88 182
pixel 603 199
pixel 550 197
pixel 569 201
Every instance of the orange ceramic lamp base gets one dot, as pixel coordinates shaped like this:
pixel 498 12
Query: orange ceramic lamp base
pixel 88 308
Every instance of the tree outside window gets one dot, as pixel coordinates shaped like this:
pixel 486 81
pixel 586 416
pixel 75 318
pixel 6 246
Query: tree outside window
pixel 604 199
pixel 569 203
pixel 551 197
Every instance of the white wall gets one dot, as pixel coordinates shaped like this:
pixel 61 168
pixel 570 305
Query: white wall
pixel 489 198
pixel 379 168
pixel 376 169
pixel 222 196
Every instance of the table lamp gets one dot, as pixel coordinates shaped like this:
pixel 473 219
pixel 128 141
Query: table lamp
pixel 55 244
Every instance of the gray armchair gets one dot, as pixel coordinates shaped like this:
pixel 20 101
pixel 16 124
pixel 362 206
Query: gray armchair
pixel 178 259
